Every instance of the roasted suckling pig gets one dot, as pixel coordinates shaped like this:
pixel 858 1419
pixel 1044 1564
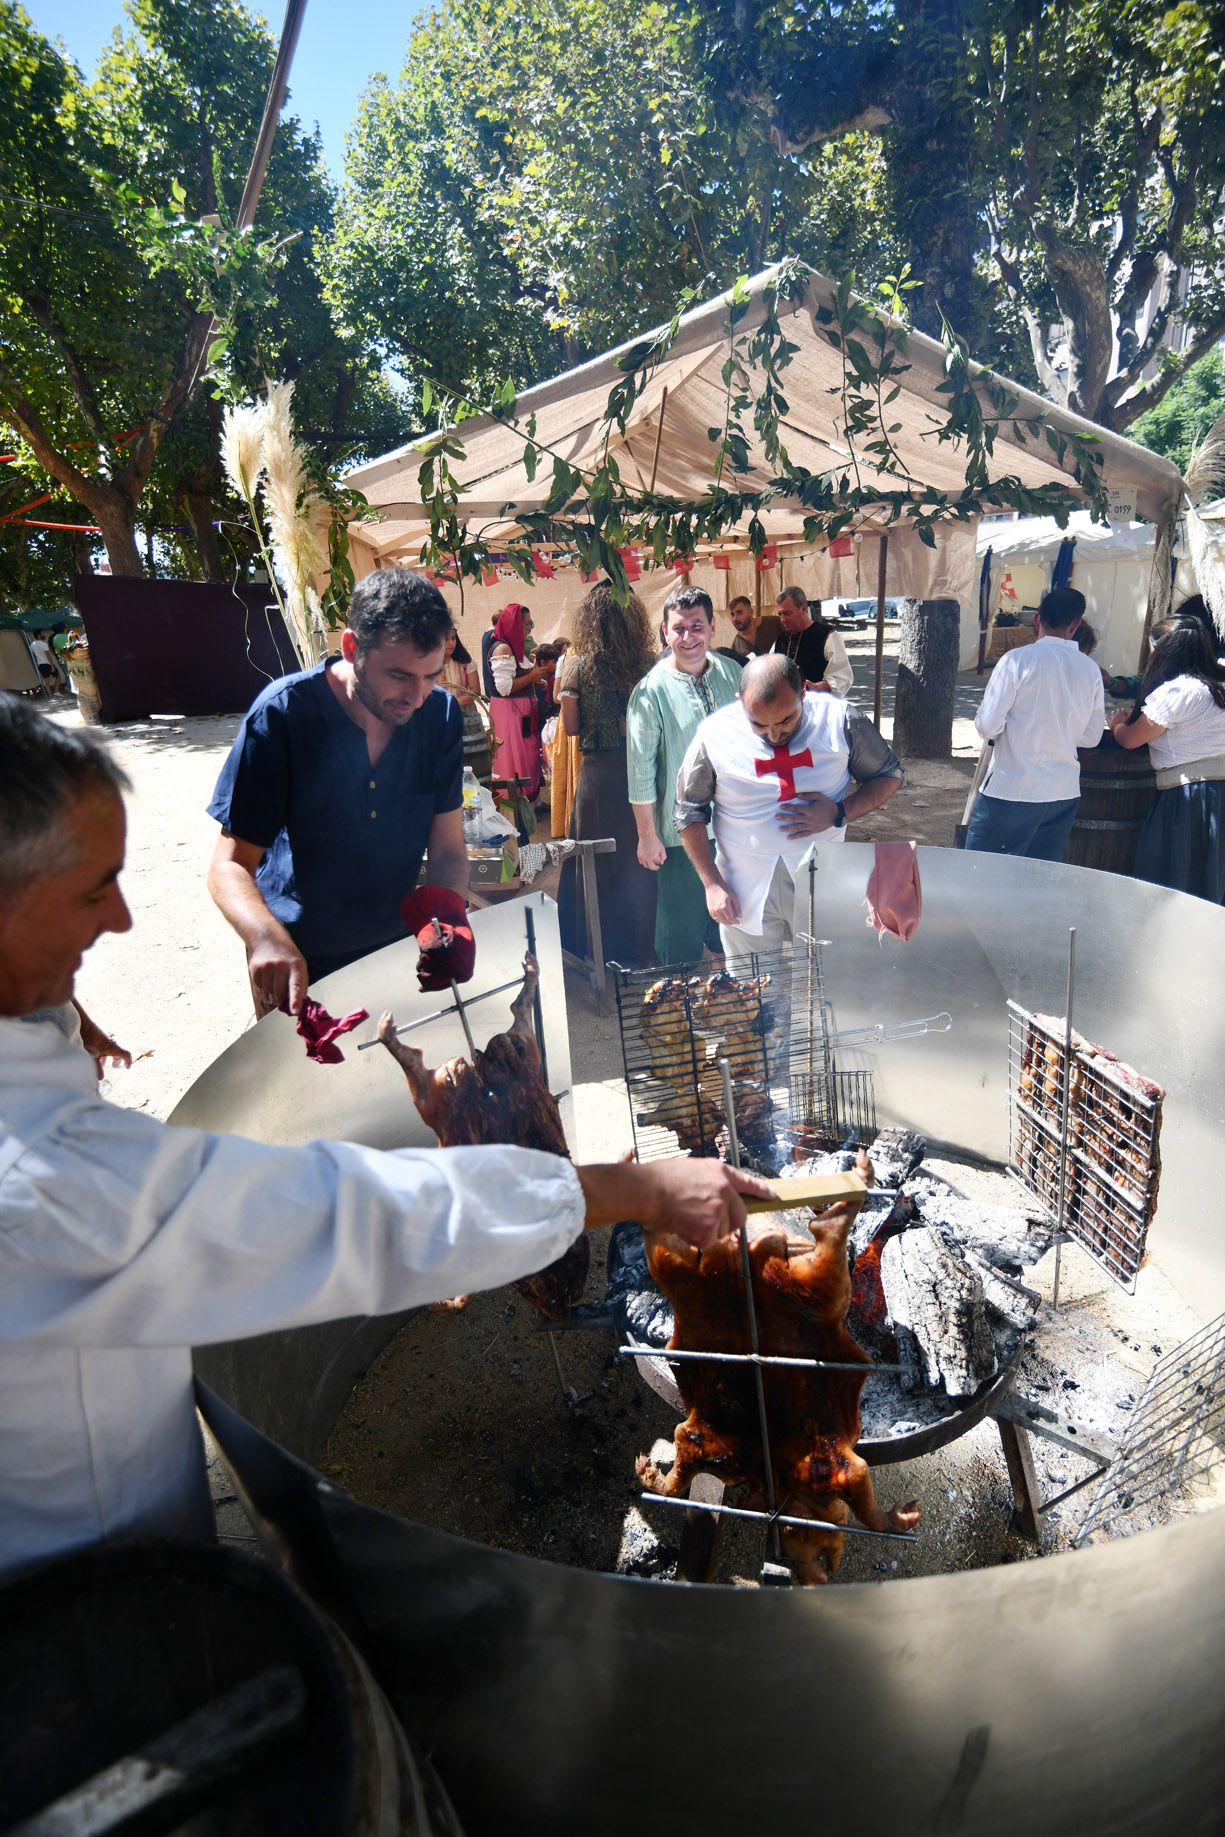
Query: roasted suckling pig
pixel 499 1098
pixel 802 1295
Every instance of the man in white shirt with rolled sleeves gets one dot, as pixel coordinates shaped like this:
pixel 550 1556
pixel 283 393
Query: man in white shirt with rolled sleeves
pixel 1042 703
pixel 125 1241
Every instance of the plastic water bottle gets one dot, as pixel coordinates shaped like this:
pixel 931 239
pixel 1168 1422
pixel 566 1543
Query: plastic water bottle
pixel 472 807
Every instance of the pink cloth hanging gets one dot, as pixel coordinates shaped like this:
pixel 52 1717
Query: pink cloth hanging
pixel 895 897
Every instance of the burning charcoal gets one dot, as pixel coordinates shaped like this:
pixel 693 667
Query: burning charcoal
pixel 642 1309
pixel 1006 1236
pixel 936 1301
pixel 894 1156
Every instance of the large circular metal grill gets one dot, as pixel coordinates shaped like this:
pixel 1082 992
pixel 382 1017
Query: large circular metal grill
pixel 1080 1692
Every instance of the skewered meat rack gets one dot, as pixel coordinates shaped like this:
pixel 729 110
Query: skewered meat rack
pixel 1084 1137
pixel 774 1024
pixel 773 1569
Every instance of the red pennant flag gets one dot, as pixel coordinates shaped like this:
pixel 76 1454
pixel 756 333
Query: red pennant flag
pixel 841 546
pixel 542 565
pixel 587 578
pixel 683 564
pixel 632 563
pixel 723 564
pixel 489 578
pixel 768 558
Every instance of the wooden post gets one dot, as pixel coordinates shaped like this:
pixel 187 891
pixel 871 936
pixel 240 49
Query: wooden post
pixel 880 628
pixel 659 434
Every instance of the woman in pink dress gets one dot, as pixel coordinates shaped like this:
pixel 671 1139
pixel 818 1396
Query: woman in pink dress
pixel 514 708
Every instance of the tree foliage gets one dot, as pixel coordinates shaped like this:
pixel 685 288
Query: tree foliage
pixel 547 180
pixel 116 244
pixel 1187 414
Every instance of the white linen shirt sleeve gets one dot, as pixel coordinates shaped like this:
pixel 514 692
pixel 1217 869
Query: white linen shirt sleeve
pixel 838 672
pixel 998 698
pixel 118 1230
pixel 504 670
pixel 1095 726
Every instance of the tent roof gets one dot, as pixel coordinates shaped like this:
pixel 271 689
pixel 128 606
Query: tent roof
pixel 666 441
pixel 1038 539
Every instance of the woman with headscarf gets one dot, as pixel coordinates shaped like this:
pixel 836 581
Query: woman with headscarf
pixel 614 647
pixel 514 709
pixel 1180 716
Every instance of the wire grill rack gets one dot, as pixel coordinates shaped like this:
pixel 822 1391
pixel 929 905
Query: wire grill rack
pixel 771 1022
pixel 1112 1167
pixel 1176 1436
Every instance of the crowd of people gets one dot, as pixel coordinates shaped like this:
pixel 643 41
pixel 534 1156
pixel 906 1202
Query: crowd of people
pixel 123 1241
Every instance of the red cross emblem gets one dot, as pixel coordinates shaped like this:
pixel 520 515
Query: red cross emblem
pixel 784 763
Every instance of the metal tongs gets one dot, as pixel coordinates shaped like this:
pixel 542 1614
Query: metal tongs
pixel 877 1032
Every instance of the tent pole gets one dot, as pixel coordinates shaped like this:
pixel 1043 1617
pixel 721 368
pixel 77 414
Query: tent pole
pixel 880 629
pixel 659 434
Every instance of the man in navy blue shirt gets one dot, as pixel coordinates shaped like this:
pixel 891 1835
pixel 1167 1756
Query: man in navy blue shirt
pixel 342 779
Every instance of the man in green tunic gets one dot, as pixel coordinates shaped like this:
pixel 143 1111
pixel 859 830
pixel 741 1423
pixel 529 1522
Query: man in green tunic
pixel 688 683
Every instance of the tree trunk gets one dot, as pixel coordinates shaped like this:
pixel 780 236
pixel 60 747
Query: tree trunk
pixel 115 516
pixel 199 507
pixel 926 679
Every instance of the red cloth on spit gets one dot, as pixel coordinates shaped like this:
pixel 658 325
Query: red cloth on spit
pixel 452 959
pixel 895 898
pixel 320 1031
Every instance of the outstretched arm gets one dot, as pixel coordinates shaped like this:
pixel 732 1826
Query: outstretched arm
pixel 275 966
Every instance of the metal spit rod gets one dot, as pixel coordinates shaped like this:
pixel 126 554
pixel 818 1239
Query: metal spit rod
pixel 1060 1216
pixel 439 1013
pixel 537 1011
pixel 750 1308
pixel 777 1518
pixel 754 1358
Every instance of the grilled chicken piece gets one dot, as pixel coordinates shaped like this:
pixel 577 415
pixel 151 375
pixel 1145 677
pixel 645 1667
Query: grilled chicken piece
pixel 500 1098
pixel 802 1295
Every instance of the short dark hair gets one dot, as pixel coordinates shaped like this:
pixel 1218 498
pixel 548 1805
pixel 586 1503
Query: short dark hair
pixel 796 595
pixel 1060 607
pixel 396 606
pixel 43 767
pixel 741 599
pixel 687 599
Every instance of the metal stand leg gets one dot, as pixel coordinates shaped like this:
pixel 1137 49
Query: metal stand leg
pixel 1024 1481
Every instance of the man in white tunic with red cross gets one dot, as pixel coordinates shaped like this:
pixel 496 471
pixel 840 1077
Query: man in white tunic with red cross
pixel 776 770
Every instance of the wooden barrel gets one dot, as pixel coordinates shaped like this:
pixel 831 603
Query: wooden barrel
pixel 1117 789
pixel 195 1680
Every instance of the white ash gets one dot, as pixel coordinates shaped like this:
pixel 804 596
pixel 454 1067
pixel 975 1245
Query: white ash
pixel 938 1313
pixel 894 1155
pixel 1010 1237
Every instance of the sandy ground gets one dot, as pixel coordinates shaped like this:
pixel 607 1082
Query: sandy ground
pixel 174 990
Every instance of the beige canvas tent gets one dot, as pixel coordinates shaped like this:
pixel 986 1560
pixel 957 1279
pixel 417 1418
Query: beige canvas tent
pixel 666 446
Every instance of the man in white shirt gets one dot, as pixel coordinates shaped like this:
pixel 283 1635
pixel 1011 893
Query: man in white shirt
pixel 1043 702
pixel 777 770
pixel 125 1241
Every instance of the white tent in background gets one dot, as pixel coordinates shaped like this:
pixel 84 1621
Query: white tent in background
pixel 666 446
pixel 1111 565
